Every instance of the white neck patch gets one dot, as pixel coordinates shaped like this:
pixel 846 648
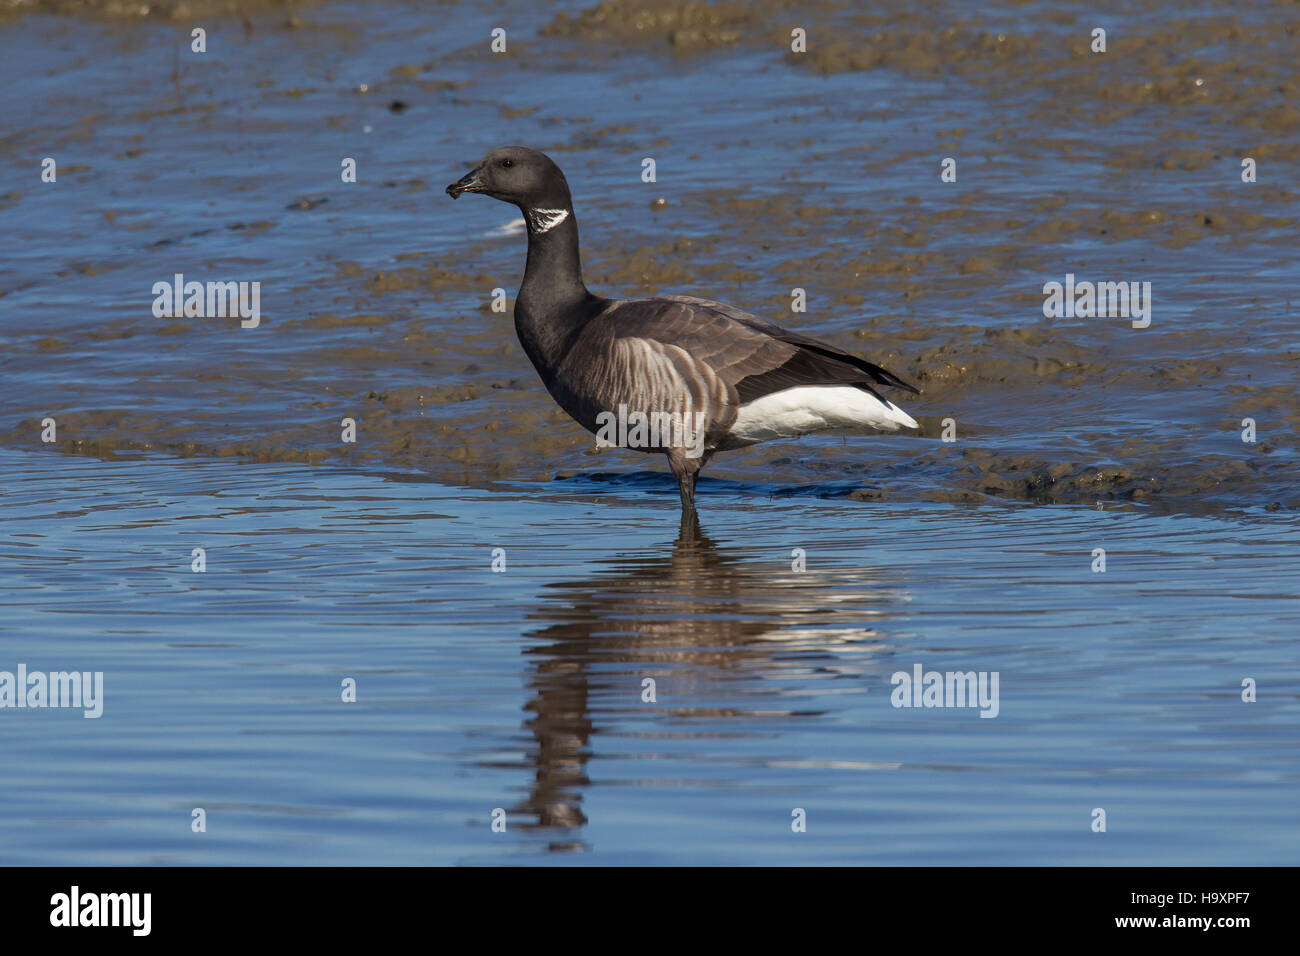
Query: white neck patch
pixel 544 220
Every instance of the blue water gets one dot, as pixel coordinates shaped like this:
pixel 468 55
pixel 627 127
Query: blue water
pixel 521 690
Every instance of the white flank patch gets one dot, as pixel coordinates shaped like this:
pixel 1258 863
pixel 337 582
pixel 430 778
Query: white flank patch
pixel 812 408
pixel 544 220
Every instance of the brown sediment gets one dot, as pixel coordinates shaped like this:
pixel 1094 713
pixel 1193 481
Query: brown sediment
pixel 153 9
pixel 689 26
pixel 945 292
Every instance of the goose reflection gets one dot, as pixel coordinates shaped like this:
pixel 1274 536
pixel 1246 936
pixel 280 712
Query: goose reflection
pixel 716 630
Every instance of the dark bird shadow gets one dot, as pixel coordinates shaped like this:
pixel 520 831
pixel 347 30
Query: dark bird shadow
pixel 663 484
pixel 698 620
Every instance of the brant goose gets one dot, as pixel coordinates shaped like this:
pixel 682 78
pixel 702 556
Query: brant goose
pixel 675 374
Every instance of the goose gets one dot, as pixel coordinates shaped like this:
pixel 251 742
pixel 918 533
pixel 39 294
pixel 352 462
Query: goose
pixel 676 374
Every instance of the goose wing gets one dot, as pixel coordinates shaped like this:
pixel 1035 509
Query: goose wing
pixel 701 339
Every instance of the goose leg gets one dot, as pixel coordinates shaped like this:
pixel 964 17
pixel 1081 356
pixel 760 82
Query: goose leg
pixel 689 531
pixel 686 485
pixel 686 471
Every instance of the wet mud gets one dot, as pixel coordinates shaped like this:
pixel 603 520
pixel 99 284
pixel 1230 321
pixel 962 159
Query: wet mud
pixel 817 170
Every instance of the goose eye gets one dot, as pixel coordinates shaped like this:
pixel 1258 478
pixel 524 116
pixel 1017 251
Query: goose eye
pixel 507 163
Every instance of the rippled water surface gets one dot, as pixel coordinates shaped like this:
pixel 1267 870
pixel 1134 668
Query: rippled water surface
pixel 522 690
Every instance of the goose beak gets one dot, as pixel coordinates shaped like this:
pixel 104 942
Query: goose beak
pixel 469 183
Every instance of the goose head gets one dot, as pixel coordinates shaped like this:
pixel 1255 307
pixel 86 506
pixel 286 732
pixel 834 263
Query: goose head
pixel 518 175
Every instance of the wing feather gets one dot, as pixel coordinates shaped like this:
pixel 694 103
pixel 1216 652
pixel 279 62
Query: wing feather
pixel 682 355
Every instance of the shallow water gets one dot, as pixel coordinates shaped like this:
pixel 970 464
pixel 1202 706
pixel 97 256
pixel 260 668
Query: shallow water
pixel 522 690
